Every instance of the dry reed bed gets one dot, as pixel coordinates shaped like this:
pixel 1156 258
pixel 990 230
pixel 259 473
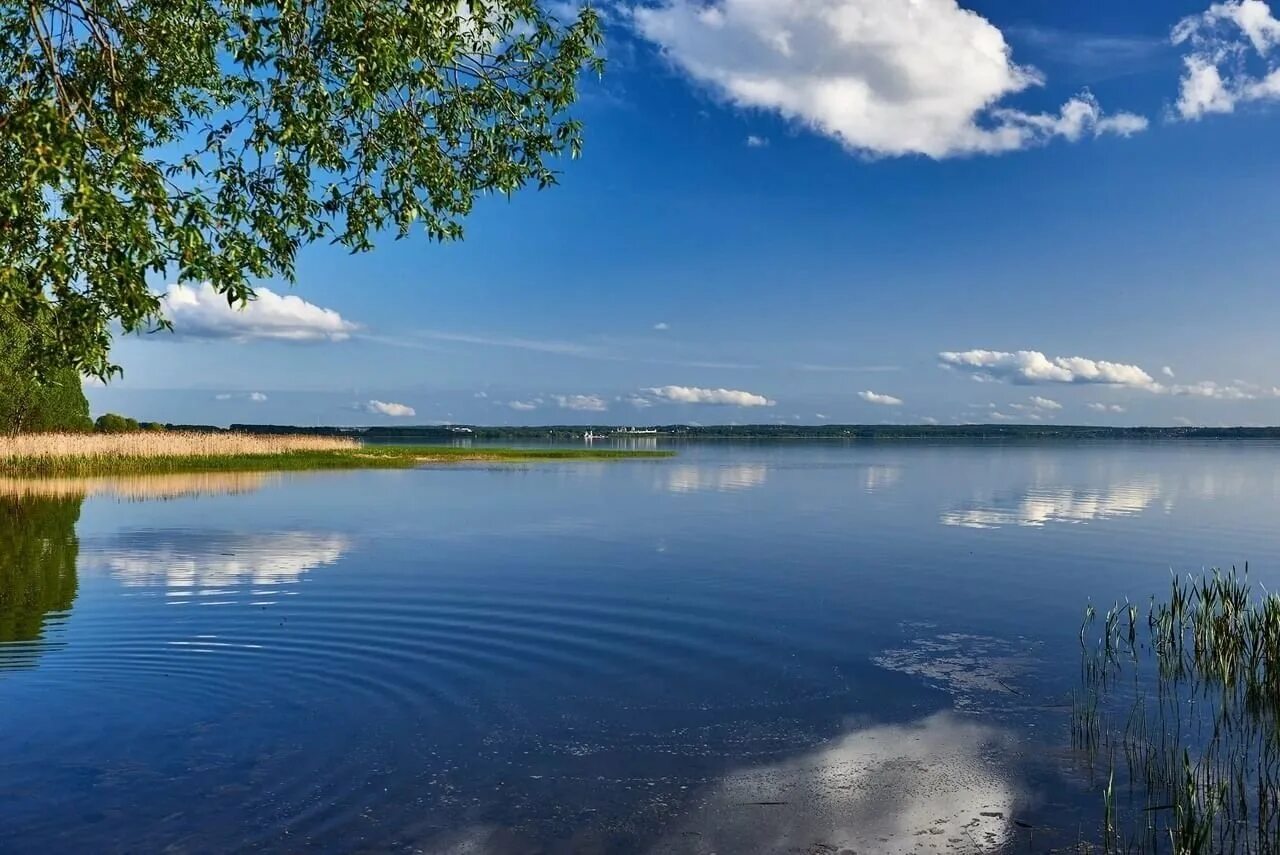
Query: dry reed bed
pixel 62 446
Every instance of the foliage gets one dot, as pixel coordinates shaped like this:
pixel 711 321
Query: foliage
pixel 113 423
pixel 28 402
pixel 208 140
pixel 38 550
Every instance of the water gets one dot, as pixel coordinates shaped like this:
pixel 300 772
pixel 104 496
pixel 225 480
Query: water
pixel 747 648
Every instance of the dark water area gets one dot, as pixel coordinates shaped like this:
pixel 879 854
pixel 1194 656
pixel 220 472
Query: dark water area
pixel 765 648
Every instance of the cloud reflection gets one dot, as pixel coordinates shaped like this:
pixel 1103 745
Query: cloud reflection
pixel 879 477
pixel 1042 505
pixel 888 788
pixel 215 559
pixel 686 478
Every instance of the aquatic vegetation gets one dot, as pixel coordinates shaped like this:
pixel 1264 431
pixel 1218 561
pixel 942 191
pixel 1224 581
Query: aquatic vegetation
pixel 174 451
pixel 1185 709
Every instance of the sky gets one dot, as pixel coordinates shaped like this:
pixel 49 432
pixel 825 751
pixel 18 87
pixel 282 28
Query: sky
pixel 815 211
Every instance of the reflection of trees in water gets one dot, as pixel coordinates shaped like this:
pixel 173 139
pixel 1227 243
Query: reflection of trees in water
pixel 38 551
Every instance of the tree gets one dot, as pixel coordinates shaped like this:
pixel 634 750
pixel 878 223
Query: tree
pixel 31 401
pixel 208 140
pixel 113 423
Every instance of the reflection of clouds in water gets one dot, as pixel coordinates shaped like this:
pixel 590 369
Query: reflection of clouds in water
pixel 138 488
pixel 878 477
pixel 1041 506
pixel 938 781
pixel 214 560
pixel 687 478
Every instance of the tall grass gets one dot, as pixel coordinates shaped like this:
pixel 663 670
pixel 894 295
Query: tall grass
pixel 82 455
pixel 161 444
pixel 1192 702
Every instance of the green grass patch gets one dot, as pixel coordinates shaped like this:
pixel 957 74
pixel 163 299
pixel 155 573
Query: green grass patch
pixel 367 457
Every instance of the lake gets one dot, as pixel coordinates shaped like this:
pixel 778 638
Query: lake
pixel 772 648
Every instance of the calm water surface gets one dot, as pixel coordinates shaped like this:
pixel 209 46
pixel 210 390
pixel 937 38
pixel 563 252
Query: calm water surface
pixel 748 648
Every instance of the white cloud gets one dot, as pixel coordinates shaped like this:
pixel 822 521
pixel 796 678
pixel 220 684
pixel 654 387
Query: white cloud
pixel 1033 367
pixel 878 398
pixel 883 77
pixel 1045 403
pixel 695 395
pixel 1167 372
pixel 662 326
pixel 639 402
pixel 582 403
pixel 223 396
pixel 1220 41
pixel 257 397
pixel 1217 392
pixel 522 406
pixel 928 420
pixel 754 141
pixel 384 408
pixel 482 395
pixel 821 417
pixel 1183 421
pixel 1106 408
pixel 201 312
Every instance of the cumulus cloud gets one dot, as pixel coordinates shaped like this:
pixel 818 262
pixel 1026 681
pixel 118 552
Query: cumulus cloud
pixel 882 77
pixel 200 312
pixel 1106 408
pixel 1044 403
pixel 582 403
pixel 256 397
pixel 881 399
pixel 385 408
pixel 662 326
pixel 522 406
pixel 1220 392
pixel 754 141
pixel 1220 43
pixel 1033 367
pixel 1167 372
pixel 696 395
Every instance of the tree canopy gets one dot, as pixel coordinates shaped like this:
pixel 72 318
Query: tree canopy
pixel 115 423
pixel 50 401
pixel 208 140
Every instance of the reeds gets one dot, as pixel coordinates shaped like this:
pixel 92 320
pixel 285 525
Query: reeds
pixel 1193 705
pixel 84 455
pixel 161 444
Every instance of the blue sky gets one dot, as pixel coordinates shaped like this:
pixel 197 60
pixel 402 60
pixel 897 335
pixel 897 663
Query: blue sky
pixel 828 210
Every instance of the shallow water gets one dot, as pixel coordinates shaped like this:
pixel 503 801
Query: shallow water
pixel 747 648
